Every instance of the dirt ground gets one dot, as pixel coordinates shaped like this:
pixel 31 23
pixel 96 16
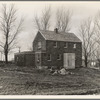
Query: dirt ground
pixel 16 80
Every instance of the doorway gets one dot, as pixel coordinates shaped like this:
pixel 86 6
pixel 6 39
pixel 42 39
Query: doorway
pixel 38 60
pixel 69 60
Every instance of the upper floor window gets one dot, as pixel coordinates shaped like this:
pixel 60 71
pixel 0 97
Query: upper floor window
pixel 74 46
pixel 55 44
pixel 17 58
pixel 59 57
pixel 65 44
pixel 39 45
pixel 49 57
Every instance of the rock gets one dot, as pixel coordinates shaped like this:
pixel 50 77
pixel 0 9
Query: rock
pixel 63 71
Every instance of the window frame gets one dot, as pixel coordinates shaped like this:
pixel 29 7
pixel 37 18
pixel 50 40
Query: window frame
pixel 74 46
pixel 55 46
pixel 38 57
pixel 49 57
pixel 39 45
pixel 66 44
pixel 59 55
pixel 17 58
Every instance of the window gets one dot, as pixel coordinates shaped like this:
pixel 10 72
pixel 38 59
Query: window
pixel 17 58
pixel 49 57
pixel 59 57
pixel 38 57
pixel 74 46
pixel 65 45
pixel 39 45
pixel 55 44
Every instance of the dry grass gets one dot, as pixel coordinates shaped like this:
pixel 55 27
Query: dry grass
pixel 16 80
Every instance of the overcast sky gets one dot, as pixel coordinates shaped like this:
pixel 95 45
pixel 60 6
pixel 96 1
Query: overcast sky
pixel 81 10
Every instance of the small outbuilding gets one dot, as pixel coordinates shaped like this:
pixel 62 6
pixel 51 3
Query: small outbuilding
pixel 25 59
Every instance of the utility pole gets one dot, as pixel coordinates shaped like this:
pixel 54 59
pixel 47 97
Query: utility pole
pixel 19 49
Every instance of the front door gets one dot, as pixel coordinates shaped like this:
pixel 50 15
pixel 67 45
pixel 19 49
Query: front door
pixel 38 60
pixel 69 60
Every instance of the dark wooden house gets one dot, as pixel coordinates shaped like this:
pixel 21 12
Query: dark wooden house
pixel 58 49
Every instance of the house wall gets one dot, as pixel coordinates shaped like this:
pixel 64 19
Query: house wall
pixel 61 50
pixel 48 48
pixel 20 59
pixel 39 38
pixel 25 59
pixel 30 60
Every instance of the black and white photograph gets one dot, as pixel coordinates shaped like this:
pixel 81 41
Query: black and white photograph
pixel 50 48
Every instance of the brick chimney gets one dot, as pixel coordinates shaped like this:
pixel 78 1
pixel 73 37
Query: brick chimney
pixel 56 30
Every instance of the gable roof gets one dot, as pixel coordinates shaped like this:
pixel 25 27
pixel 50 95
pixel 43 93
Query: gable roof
pixel 61 36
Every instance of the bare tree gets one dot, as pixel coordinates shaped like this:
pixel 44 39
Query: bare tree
pixel 96 54
pixel 10 27
pixel 87 33
pixel 97 36
pixel 95 49
pixel 63 18
pixel 43 22
pixel 97 28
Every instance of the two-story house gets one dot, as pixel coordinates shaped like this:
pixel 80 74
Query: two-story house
pixel 53 48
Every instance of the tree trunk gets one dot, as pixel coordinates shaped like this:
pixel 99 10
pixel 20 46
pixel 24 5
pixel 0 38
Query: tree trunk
pixel 6 57
pixel 6 52
pixel 86 62
pixel 99 62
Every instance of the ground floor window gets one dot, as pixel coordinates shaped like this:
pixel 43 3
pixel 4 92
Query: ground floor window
pixel 49 57
pixel 16 58
pixel 38 57
pixel 59 57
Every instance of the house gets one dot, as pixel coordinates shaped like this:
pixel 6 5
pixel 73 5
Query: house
pixel 57 49
pixel 54 48
pixel 91 63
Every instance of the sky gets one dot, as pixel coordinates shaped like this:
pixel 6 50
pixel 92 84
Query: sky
pixel 27 9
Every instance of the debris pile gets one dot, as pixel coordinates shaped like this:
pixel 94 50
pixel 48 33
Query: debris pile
pixel 62 71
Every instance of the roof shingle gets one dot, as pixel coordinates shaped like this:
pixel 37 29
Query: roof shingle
pixel 60 36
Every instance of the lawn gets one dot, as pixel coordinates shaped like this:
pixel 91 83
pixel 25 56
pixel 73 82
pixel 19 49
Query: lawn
pixel 16 80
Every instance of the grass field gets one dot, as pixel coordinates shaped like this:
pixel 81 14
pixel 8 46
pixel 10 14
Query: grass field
pixel 16 80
